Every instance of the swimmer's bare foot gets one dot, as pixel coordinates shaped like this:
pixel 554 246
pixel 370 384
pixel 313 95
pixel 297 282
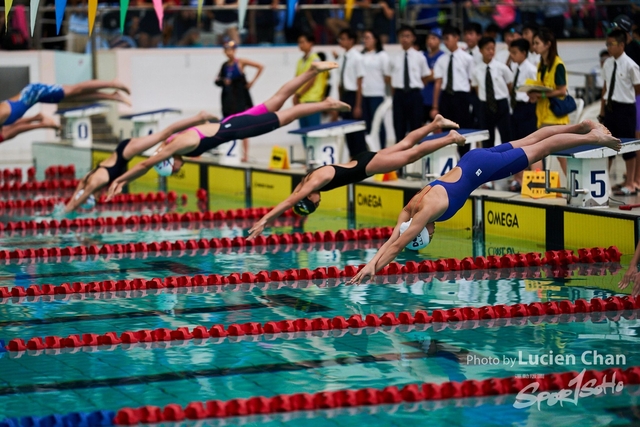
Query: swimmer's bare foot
pixel 443 123
pixel 606 140
pixel 336 105
pixel 590 125
pixel 50 123
pixel 321 66
pixel 457 138
pixel 117 84
pixel 37 118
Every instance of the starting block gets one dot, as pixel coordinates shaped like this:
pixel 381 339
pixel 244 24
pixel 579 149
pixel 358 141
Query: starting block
pixel 78 127
pixel 443 160
pixel 148 122
pixel 325 143
pixel 588 173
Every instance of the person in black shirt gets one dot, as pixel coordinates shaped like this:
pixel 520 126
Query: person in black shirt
pixel 632 48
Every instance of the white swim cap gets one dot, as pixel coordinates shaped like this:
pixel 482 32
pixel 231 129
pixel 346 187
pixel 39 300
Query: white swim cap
pixel 89 203
pixel 165 168
pixel 421 241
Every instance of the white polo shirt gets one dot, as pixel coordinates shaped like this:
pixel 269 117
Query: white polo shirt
pixel 527 71
pixel 376 67
pixel 418 68
pixel 475 53
pixel 501 75
pixel 463 64
pixel 534 58
pixel 353 71
pixel 627 76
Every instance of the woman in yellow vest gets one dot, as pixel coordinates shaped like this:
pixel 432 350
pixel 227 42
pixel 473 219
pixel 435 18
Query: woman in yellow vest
pixel 552 74
pixel 314 90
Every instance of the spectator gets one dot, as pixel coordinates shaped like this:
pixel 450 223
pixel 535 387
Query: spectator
pixel 523 117
pixel 554 11
pixel 351 72
pixel 528 31
pixel 225 22
pixel 452 74
pixel 11 38
pixel 493 81
pixel 552 74
pixel 78 34
pixel 316 19
pixel 384 20
pixel 266 21
pixel 409 74
pixel 528 14
pixel 511 33
pixel 432 54
pixel 472 35
pixel 143 25
pixel 235 88
pixel 314 90
pixel 185 28
pixel 374 81
pixel 618 104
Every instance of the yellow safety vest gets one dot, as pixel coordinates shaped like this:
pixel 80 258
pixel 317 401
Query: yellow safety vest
pixel 543 110
pixel 315 92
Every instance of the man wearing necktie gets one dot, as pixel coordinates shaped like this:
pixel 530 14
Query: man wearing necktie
pixel 409 74
pixel 493 82
pixel 350 88
pixel 618 104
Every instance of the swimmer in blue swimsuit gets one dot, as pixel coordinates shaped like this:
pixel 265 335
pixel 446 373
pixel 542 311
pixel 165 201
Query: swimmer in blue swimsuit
pixel 14 108
pixel 441 199
pixel 116 164
pixel 306 196
pixel 255 121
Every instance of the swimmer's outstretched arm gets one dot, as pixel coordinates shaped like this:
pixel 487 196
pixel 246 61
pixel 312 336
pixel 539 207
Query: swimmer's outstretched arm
pixel 300 192
pixel 631 275
pixel 141 144
pixel 392 247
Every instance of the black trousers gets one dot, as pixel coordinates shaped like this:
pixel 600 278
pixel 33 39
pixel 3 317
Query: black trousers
pixel 456 107
pixel 501 119
pixel 523 120
pixel 407 112
pixel 356 141
pixel 621 121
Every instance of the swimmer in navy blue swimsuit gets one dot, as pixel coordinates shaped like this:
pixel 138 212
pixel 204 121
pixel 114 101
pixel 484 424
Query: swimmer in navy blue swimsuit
pixel 116 165
pixel 441 199
pixel 14 108
pixel 306 196
pixel 255 121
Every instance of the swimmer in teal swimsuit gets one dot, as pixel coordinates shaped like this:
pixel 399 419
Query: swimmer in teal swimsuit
pixel 306 196
pixel 442 198
pixel 14 108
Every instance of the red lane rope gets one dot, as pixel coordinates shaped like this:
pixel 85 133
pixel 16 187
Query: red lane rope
pixel 41 294
pixel 532 259
pixel 553 308
pixel 368 396
pixel 35 349
pixel 39 186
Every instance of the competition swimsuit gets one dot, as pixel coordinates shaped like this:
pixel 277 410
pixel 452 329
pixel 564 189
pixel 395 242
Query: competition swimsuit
pixel 120 166
pixel 345 176
pixel 32 94
pixel 478 167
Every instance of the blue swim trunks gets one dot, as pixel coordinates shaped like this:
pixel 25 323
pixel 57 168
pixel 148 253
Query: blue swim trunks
pixel 31 95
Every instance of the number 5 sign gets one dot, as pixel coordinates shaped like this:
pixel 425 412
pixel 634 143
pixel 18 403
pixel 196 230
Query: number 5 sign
pixel 591 175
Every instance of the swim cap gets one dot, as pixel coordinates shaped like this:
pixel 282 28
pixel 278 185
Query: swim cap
pixel 304 207
pixel 87 204
pixel 421 241
pixel 165 168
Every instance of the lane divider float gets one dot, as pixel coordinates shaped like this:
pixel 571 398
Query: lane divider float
pixel 532 259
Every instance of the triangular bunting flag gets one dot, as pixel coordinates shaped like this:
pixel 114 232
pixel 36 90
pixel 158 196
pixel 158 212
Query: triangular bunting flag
pixel 7 8
pixel 33 14
pixel 93 9
pixel 348 9
pixel 124 5
pixel 60 6
pixel 242 11
pixel 157 5
pixel 199 10
pixel 291 11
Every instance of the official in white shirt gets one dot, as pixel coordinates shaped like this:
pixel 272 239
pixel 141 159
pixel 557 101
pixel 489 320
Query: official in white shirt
pixel 618 104
pixel 409 74
pixel 375 80
pixel 523 112
pixel 452 74
pixel 351 72
pixel 492 81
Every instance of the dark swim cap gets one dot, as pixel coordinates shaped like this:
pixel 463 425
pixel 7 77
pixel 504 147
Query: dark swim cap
pixel 304 207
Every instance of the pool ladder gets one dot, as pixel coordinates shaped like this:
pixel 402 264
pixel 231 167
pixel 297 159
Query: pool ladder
pixel 570 191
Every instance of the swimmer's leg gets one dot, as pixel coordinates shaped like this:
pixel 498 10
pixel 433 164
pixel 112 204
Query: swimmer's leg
pixel 301 110
pixel 565 141
pixel 99 96
pixel 276 102
pixel 27 124
pixel 385 161
pixel 545 132
pixel 419 134
pixel 93 86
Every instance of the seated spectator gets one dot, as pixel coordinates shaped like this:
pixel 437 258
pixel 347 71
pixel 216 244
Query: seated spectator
pixel 12 38
pixel 142 25
pixel 78 34
pixel 554 11
pixel 225 22
pixel 384 20
pixel 266 21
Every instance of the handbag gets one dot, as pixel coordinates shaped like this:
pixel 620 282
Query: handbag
pixel 562 107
